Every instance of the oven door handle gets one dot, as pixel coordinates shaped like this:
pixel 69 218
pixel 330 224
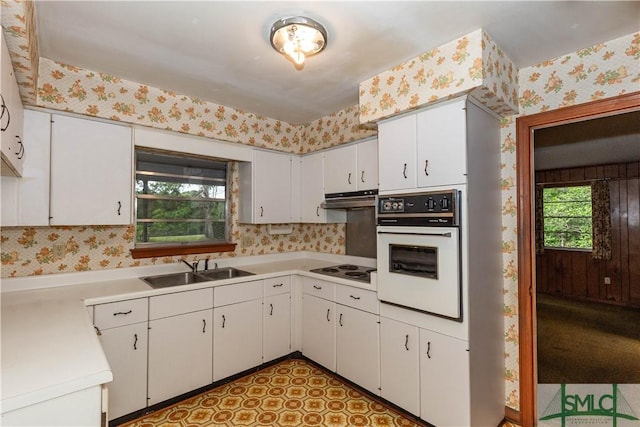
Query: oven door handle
pixel 445 234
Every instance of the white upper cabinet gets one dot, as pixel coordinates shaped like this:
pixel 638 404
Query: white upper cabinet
pixel 397 145
pixel 13 150
pixel 442 145
pixel 25 200
pixel 424 149
pixel 312 189
pixel 265 188
pixel 91 172
pixel 340 170
pixel 351 168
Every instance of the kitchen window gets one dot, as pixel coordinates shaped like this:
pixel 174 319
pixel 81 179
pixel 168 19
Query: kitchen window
pixel 567 217
pixel 181 204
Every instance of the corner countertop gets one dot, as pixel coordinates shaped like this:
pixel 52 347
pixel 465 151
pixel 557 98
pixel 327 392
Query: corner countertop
pixel 49 346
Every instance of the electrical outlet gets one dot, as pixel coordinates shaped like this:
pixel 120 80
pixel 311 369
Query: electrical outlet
pixel 247 241
pixel 607 280
pixel 59 250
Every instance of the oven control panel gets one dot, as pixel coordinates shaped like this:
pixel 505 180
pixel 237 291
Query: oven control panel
pixel 427 209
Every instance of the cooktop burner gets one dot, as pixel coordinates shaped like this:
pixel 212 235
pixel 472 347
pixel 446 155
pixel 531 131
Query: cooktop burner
pixel 347 271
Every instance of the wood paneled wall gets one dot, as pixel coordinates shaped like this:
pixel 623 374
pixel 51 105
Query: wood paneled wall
pixel 576 274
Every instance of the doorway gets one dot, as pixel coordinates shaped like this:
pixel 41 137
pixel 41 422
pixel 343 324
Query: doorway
pixel 526 126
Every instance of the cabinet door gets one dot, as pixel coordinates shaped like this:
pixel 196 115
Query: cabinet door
pixel 368 165
pixel 312 189
pixel 272 192
pixel 399 364
pixel 340 170
pixel 358 347
pixel 444 380
pixel 11 141
pixel 442 136
pixel 126 350
pixel 397 153
pixel 237 344
pixel 180 351
pixel 91 180
pixel 319 331
pixel 276 317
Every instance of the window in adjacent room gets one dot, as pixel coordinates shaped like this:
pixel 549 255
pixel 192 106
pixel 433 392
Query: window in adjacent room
pixel 180 200
pixel 567 217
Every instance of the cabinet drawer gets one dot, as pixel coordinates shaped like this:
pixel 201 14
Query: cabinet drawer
pixel 319 288
pixel 120 313
pixel 179 303
pixel 277 285
pixel 231 294
pixel 361 299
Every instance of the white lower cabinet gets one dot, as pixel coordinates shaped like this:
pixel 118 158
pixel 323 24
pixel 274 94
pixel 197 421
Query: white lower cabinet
pixel 122 330
pixel 319 330
pixel 357 347
pixel 126 350
pixel 276 318
pixel 444 380
pixel 399 364
pixel 180 343
pixel 237 337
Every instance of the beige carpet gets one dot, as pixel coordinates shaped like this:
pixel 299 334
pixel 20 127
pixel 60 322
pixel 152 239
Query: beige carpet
pixel 291 393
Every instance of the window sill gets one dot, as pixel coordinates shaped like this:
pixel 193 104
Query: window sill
pixel 161 251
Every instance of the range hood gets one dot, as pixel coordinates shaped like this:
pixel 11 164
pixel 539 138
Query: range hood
pixel 350 200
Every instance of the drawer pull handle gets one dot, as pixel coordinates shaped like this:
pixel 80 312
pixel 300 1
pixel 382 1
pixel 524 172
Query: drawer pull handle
pixel 406 342
pixel 224 320
pixel 6 111
pixel 340 320
pixel 328 320
pixel 204 326
pixel 119 207
pixel 404 171
pixel 317 287
pixel 362 177
pixel 278 285
pixel 122 313
pixel 98 331
pixel 317 210
pixel 135 342
pixel 20 152
pixel 354 297
pixel 426 165
pixel 429 349
pixel 271 311
pixel 261 211
pixel 349 179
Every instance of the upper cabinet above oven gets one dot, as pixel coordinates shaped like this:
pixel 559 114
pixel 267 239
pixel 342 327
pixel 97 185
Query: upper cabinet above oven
pixel 428 148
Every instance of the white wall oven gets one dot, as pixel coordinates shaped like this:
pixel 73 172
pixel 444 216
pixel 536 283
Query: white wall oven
pixel 419 255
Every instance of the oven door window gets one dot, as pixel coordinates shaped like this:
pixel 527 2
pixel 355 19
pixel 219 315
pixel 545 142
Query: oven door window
pixel 418 261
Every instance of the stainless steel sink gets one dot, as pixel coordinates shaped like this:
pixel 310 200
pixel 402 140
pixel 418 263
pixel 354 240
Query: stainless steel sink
pixel 187 278
pixel 175 279
pixel 224 273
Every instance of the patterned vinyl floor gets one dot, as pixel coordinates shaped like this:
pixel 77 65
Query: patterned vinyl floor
pixel 290 393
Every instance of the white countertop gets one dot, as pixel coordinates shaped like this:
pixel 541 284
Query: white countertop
pixel 49 346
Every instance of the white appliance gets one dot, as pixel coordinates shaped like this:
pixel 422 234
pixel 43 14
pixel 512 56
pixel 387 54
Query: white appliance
pixel 418 252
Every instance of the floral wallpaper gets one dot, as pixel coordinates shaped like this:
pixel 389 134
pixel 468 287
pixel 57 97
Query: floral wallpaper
pixel 18 22
pixel 471 64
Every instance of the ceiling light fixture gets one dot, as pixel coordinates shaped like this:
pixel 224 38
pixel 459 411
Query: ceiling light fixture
pixel 297 38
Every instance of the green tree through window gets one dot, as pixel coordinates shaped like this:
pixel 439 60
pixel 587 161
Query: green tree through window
pixel 567 217
pixel 179 199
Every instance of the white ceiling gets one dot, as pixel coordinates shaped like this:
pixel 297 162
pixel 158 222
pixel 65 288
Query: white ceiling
pixel 219 51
